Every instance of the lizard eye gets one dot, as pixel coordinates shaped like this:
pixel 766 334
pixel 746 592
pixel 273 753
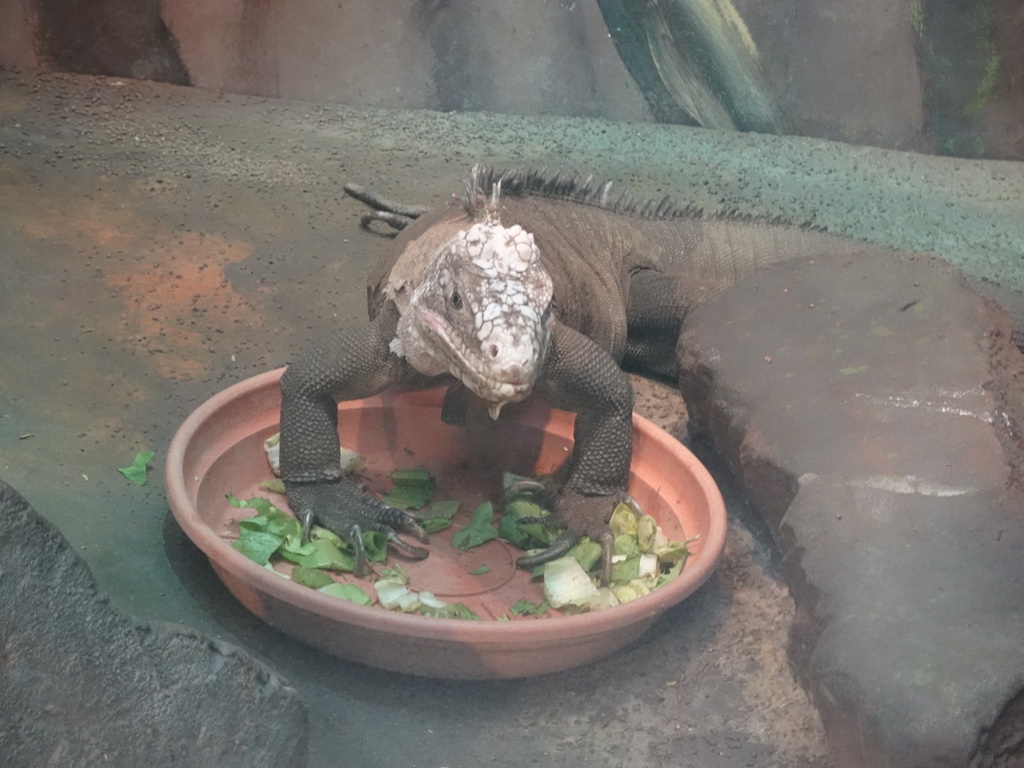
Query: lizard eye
pixel 456 300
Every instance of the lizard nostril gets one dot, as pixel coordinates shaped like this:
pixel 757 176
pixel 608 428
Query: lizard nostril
pixel 494 350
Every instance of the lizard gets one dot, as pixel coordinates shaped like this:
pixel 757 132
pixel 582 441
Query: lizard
pixel 524 283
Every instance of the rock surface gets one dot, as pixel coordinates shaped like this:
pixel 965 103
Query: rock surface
pixel 933 76
pixel 191 239
pixel 84 684
pixel 870 408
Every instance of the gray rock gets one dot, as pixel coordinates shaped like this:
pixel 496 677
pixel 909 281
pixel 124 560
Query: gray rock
pixel 84 684
pixel 842 71
pixel 869 406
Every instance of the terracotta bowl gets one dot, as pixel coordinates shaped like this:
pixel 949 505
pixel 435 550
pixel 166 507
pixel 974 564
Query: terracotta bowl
pixel 218 450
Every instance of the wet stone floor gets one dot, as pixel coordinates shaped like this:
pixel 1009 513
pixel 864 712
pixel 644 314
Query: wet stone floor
pixel 160 244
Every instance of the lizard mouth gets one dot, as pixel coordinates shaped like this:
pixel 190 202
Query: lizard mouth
pixel 499 384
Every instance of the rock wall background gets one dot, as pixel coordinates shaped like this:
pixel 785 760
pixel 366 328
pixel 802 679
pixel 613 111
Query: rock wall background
pixel 943 76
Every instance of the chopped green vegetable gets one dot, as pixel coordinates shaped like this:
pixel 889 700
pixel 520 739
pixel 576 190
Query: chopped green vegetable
pixel 631 590
pixel 349 592
pixel 431 602
pixel 314 578
pixel 524 535
pixel 394 595
pixel 318 532
pixel 526 608
pixel 435 524
pixel 673 551
pixel 262 506
pixel 461 610
pixel 324 549
pixel 441 514
pixel 271 521
pixel 625 569
pixel 322 554
pixel 625 545
pixel 258 546
pixel 450 611
pixel 671 573
pixel 375 543
pixel 444 508
pixel 136 473
pixel 412 488
pixel 480 529
pixel 271 530
pixel 646 532
pixel 648 567
pixel 587 553
pixel 270 567
pixel 375 546
pixel 604 598
pixel 567 584
pixel 643 556
pixel 274 486
pixel 623 521
pixel 395 573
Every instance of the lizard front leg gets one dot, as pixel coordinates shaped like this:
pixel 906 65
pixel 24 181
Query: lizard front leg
pixel 581 377
pixel 353 364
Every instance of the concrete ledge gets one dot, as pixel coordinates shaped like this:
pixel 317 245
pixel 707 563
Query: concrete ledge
pixel 867 406
pixel 84 684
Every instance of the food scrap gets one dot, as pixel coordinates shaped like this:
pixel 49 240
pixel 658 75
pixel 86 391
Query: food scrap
pixel 480 529
pixel 643 557
pixel 274 535
pixel 136 473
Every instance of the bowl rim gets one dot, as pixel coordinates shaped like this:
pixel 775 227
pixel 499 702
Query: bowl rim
pixel 223 556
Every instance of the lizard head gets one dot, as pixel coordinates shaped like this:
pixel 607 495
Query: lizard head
pixel 482 312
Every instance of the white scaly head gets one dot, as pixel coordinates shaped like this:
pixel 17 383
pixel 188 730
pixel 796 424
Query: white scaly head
pixel 482 311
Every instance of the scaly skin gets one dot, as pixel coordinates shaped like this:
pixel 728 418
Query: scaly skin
pixel 477 307
pixel 579 284
pixel 353 364
pixel 611 284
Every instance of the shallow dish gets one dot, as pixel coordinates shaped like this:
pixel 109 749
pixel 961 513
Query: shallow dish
pixel 218 450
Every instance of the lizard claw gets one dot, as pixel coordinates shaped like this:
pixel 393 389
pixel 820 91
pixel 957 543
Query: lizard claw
pixel 342 507
pixel 578 514
pixel 409 550
pixel 554 550
pixel 543 492
pixel 355 537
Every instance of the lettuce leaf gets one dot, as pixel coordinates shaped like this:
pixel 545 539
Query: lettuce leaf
pixel 441 514
pixel 524 535
pixel 526 608
pixel 257 545
pixel 136 473
pixel 314 578
pixel 480 529
pixel 411 488
pixel 349 592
